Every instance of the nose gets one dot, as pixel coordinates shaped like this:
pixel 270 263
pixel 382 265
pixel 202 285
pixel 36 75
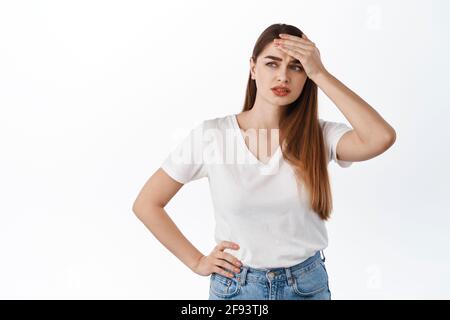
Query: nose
pixel 282 75
pixel 283 78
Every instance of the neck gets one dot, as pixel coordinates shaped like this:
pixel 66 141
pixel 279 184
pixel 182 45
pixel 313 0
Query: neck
pixel 264 115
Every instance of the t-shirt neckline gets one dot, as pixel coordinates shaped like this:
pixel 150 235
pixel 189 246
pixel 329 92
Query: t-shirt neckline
pixel 275 155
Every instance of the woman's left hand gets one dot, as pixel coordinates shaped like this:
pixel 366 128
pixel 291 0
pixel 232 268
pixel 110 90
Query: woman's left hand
pixel 304 50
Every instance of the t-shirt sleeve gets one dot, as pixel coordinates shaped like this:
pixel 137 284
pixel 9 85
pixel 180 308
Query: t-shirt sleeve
pixel 332 132
pixel 185 162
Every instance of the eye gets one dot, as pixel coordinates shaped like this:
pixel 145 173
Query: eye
pixel 295 66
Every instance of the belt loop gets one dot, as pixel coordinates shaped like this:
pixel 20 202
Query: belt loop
pixel 323 259
pixel 241 278
pixel 289 276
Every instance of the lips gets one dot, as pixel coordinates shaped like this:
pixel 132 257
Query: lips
pixel 281 91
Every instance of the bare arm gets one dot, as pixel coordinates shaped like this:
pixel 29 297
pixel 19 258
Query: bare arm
pixel 149 208
pixel 371 134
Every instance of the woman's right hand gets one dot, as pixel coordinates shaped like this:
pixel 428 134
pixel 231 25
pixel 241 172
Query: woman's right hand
pixel 218 260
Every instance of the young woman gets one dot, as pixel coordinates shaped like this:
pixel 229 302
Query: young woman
pixel 272 200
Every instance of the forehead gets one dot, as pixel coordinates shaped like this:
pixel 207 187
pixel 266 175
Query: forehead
pixel 271 53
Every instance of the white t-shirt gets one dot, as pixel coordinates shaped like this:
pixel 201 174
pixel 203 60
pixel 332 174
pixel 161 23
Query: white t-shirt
pixel 256 204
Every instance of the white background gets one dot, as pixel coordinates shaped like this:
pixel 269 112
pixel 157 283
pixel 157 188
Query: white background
pixel 94 95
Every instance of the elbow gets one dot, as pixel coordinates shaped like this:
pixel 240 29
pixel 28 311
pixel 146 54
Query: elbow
pixel 142 208
pixel 390 138
pixel 386 142
pixel 137 208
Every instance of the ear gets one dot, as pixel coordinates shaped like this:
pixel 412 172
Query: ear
pixel 252 68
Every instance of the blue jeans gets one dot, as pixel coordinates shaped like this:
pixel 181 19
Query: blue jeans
pixel 307 280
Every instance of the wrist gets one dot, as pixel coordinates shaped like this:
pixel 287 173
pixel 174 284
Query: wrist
pixel 319 76
pixel 196 262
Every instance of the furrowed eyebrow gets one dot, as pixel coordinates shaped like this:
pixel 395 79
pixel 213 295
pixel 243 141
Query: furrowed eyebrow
pixel 279 59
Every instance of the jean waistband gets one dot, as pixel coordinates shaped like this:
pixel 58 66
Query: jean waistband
pixel 272 273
